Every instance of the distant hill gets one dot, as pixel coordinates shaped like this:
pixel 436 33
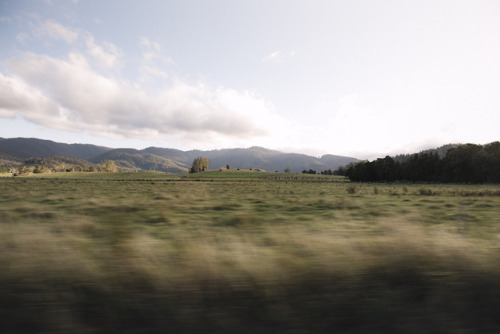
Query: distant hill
pixel 18 150
pixel 136 160
pixel 441 151
pixel 330 159
pixel 254 158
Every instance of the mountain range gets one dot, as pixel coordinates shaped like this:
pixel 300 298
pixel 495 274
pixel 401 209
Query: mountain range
pixel 15 151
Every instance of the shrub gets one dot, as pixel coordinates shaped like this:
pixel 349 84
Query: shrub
pixel 425 192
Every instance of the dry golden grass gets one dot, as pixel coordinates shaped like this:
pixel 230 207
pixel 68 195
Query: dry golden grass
pixel 140 254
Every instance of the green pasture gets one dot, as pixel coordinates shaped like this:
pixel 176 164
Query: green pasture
pixel 248 252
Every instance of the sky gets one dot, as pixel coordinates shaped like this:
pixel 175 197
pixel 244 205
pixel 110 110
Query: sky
pixel 360 78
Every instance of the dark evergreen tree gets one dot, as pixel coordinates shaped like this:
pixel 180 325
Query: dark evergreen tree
pixel 467 163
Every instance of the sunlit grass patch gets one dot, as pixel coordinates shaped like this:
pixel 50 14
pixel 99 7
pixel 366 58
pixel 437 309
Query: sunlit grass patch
pixel 292 255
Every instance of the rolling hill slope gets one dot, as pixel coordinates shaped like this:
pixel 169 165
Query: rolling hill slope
pixel 18 150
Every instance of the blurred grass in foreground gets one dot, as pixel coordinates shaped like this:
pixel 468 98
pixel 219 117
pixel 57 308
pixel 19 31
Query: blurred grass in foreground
pixel 146 253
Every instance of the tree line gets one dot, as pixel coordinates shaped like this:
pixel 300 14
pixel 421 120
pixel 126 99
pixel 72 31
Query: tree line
pixel 468 163
pixel 57 164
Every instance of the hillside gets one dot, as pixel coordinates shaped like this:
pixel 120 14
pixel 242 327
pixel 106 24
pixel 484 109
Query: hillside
pixel 20 149
pixel 441 152
pixel 17 150
pixel 59 164
pixel 252 158
pixel 136 160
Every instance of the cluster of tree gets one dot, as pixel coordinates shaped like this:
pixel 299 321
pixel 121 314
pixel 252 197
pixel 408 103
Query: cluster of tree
pixel 109 166
pixel 4 169
pixel 200 165
pixel 467 163
pixel 340 171
pixel 57 164
pixel 326 171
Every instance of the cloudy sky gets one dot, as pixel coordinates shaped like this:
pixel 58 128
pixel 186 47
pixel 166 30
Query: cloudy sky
pixel 361 78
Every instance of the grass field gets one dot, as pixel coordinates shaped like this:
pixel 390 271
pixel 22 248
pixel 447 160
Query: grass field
pixel 246 252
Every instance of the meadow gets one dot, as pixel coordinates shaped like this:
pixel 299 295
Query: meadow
pixel 246 252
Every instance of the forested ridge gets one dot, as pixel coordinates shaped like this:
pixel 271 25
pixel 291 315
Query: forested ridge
pixel 467 163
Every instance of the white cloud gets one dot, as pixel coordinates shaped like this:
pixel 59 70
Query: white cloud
pixel 5 19
pixel 70 94
pixel 18 97
pixel 153 62
pixel 76 93
pixel 151 71
pixel 155 46
pixel 55 30
pixel 107 54
pixel 22 38
pixel 278 56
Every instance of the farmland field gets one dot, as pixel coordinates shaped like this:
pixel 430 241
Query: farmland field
pixel 246 252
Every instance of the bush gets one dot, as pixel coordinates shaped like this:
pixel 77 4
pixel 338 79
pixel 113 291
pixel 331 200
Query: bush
pixel 351 189
pixel 425 192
